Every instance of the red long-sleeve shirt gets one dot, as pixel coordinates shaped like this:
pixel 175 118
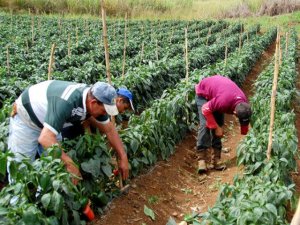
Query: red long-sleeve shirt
pixel 222 95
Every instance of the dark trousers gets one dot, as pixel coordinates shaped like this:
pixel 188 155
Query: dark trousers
pixel 206 137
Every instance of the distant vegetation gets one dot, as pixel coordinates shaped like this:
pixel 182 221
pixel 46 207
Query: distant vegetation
pixel 163 9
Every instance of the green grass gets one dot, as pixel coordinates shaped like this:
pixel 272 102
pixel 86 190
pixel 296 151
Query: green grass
pixel 156 9
pixel 283 21
pixel 164 9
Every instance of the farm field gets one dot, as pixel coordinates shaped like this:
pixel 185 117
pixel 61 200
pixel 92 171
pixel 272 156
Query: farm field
pixel 161 63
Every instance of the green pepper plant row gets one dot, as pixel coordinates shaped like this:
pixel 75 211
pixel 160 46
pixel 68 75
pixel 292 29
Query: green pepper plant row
pixel 262 194
pixel 27 57
pixel 86 63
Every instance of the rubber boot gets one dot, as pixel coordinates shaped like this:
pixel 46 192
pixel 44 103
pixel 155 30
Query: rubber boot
pixel 201 162
pixel 216 160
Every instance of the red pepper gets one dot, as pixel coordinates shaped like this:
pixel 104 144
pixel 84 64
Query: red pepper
pixel 116 172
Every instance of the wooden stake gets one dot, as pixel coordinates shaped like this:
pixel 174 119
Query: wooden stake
pixel 240 43
pixel 208 35
pixel 32 29
pixel 171 36
pixel 69 45
pixel 273 98
pixel 186 57
pixel 279 52
pixel 156 49
pixel 286 42
pixel 7 60
pixel 27 46
pixel 247 36
pixel 226 52
pixel 51 61
pixel 125 42
pixel 59 25
pixel 105 42
pixel 142 52
pixel 39 23
pixel 76 36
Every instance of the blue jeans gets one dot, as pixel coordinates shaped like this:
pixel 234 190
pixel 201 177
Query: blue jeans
pixel 206 137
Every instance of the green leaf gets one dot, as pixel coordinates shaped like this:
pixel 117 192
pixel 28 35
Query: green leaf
pixel 44 181
pixel 107 170
pixel 3 161
pixel 92 166
pixel 30 216
pixel 3 211
pixel 57 203
pixel 149 212
pixel 134 145
pixel 46 198
pixel 271 208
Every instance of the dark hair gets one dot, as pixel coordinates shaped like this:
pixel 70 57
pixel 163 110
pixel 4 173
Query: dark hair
pixel 243 112
pixel 124 99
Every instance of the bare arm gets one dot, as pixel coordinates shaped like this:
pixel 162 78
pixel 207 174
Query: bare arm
pixel 47 138
pixel 116 143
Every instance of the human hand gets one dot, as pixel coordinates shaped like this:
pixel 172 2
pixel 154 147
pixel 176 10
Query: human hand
pixel 123 167
pixel 219 132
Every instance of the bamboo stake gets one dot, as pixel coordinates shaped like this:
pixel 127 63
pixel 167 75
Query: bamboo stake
pixel 32 29
pixel 226 53
pixel 125 42
pixel 7 60
pixel 114 36
pixel 240 43
pixel 279 52
pixel 51 61
pixel 105 42
pixel 142 52
pixel 186 57
pixel 69 45
pixel 76 36
pixel 39 23
pixel 273 98
pixel 171 36
pixel 247 36
pixel 208 35
pixel 59 25
pixel 156 50
pixel 27 46
pixel 286 42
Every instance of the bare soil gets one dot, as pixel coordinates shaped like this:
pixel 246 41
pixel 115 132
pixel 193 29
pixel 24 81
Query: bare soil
pixel 173 187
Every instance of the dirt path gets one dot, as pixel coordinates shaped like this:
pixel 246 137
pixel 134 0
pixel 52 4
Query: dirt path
pixel 173 188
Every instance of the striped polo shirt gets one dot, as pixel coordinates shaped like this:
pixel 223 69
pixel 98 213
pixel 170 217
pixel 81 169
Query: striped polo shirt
pixel 54 104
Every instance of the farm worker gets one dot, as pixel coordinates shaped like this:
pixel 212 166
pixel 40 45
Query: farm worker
pixel 215 96
pixel 123 101
pixel 42 110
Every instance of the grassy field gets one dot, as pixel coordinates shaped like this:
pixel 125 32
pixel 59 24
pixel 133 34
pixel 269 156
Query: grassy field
pixel 283 21
pixel 165 9
pixel 161 9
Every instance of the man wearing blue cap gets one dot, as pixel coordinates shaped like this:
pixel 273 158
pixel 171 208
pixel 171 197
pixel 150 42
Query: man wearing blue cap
pixel 123 102
pixel 42 110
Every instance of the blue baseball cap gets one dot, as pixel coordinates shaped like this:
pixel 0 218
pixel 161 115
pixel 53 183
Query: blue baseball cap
pixel 126 93
pixel 106 94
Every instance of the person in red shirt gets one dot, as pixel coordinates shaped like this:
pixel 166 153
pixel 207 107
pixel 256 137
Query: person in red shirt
pixel 215 96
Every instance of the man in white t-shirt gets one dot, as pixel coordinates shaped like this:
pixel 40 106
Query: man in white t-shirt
pixel 42 110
